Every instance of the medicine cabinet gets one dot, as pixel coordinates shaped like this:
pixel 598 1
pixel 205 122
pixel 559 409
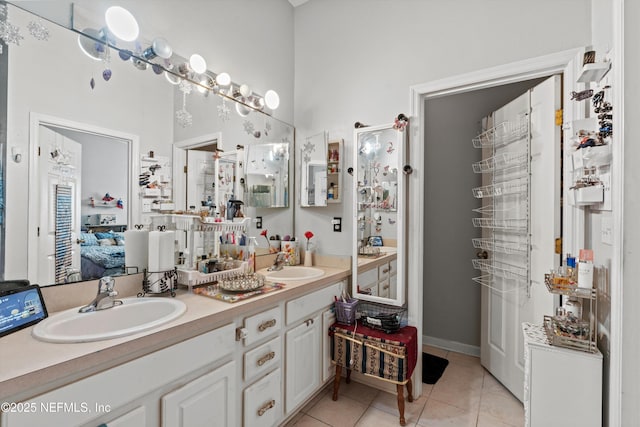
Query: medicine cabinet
pixel 320 171
pixel 379 188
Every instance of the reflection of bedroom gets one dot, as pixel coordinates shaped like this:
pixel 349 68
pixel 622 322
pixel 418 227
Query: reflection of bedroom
pixel 103 218
pixel 104 182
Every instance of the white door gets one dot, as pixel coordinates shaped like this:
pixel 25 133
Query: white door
pixel 525 223
pixel 59 172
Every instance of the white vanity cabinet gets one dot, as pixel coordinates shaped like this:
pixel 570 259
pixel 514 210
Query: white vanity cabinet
pixel 190 405
pixel 131 394
pixel 306 350
pixel 379 279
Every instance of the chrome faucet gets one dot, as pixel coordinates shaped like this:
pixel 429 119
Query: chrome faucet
pixel 278 263
pixel 104 299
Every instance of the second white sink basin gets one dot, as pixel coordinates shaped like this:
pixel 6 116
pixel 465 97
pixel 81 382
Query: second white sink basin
pixel 133 316
pixel 294 273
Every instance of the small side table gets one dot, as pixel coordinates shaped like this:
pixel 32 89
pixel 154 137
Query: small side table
pixel 388 357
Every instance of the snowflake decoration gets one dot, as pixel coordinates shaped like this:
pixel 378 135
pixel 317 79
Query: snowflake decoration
pixel 308 147
pixel 267 127
pixel 38 30
pixel 223 111
pixel 248 127
pixel 185 86
pixel 9 33
pixel 184 118
pixel 307 158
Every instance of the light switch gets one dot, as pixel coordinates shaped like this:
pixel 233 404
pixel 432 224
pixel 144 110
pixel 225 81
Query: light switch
pixel 337 224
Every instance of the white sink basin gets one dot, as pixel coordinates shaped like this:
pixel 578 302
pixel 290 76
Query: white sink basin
pixel 133 316
pixel 294 273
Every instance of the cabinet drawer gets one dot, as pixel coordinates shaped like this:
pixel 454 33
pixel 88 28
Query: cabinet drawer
pixel 301 308
pixel 393 266
pixel 367 278
pixel 262 401
pixel 262 325
pixel 263 358
pixel 383 288
pixel 383 271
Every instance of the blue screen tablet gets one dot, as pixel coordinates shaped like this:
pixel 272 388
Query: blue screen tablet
pixel 20 307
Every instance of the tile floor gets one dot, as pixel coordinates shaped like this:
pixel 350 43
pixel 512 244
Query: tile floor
pixel 465 395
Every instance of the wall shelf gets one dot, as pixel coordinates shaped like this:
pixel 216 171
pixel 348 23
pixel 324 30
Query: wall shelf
pixel 594 72
pixel 334 171
pixel 505 215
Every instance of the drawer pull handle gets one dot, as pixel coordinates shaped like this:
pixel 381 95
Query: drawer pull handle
pixel 270 404
pixel 265 325
pixel 386 270
pixel 308 322
pixel 264 359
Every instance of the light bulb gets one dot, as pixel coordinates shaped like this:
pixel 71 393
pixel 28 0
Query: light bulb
pixel 244 90
pixel 272 99
pixel 160 47
pixel 122 23
pixel 242 110
pixel 223 79
pixel 93 49
pixel 172 78
pixel 197 63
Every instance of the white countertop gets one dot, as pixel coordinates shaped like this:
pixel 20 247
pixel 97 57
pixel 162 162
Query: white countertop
pixel 29 367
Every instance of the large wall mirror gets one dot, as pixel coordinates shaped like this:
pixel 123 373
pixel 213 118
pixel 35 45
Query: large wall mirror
pixel 118 111
pixel 379 205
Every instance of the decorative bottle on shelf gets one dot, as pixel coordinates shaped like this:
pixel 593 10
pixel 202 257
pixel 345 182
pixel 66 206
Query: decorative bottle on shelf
pixel 252 254
pixel 330 192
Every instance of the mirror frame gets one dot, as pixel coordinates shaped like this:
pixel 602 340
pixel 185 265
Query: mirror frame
pixel 401 243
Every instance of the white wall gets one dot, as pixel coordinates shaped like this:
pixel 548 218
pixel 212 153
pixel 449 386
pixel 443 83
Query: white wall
pixel 355 61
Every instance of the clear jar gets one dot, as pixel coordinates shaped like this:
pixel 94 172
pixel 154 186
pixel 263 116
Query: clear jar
pixel 573 308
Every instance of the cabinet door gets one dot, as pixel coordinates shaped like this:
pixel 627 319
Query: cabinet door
pixel 206 401
pixel 262 401
pixel 303 363
pixel 134 418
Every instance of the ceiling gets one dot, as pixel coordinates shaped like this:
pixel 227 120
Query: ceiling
pixel 296 3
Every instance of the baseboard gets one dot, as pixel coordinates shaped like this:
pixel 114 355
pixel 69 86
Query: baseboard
pixel 458 347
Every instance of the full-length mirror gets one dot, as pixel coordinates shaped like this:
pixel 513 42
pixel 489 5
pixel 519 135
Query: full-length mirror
pixel 68 88
pixel 378 202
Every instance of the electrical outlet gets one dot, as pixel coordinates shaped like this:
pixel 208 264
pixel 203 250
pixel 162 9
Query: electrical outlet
pixel 258 222
pixel 337 224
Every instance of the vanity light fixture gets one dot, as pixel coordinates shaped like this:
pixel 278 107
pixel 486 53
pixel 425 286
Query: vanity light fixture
pixel 90 46
pixel 159 47
pixel 223 79
pixel 122 23
pixel 272 99
pixel 197 63
pixel 206 84
pixel 245 90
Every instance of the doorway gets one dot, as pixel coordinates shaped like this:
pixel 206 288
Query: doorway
pixel 59 207
pixel 562 62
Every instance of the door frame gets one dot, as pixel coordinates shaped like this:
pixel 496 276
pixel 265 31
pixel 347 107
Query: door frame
pixel 179 153
pixel 35 121
pixel 547 65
